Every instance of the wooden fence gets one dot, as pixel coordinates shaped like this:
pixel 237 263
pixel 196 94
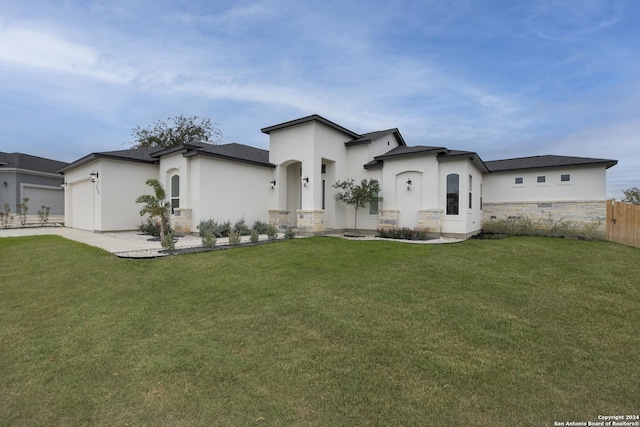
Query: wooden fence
pixel 623 223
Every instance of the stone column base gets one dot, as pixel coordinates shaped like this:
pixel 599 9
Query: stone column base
pixel 430 220
pixel 279 219
pixel 181 220
pixel 310 221
pixel 389 218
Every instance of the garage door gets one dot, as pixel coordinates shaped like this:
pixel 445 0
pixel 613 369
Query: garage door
pixel 44 196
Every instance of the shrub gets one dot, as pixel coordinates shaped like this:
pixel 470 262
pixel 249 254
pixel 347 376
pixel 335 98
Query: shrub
pixel 241 227
pixel 272 232
pixel 22 211
pixel 43 215
pixel 168 242
pixel 151 228
pixel 260 227
pixel 5 217
pixel 234 238
pixel 290 233
pixel 209 225
pixel 225 229
pixel 255 236
pixel 208 239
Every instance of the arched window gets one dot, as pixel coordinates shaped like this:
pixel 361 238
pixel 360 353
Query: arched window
pixel 175 192
pixel 453 194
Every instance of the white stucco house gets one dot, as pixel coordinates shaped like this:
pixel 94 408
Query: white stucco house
pixel 449 192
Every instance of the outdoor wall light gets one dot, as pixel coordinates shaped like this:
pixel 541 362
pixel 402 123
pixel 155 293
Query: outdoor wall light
pixel 94 176
pixel 305 181
pixel 408 184
pixel 273 184
pixel 63 185
pixel 4 184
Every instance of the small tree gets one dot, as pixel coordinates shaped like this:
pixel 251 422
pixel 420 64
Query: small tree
pixel 22 211
pixel 156 205
pixel 357 195
pixel 175 131
pixel 632 195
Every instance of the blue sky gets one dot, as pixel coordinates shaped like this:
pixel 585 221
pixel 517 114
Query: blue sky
pixel 501 78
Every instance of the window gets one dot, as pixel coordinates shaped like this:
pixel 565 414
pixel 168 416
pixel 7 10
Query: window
pixel 470 192
pixel 565 177
pixel 373 206
pixel 480 196
pixel 175 192
pixel 324 193
pixel 453 194
pixel 541 179
pixel 519 180
pixel 323 168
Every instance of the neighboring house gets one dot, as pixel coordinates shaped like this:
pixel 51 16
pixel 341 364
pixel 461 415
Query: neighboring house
pixel 25 176
pixel 291 185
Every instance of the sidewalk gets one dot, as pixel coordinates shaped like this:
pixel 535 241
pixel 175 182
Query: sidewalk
pixel 98 240
pixel 124 244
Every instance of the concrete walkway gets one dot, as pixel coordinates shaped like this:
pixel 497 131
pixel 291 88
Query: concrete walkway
pixel 98 240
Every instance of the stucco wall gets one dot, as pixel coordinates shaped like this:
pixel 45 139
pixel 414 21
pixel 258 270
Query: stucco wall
pixel 225 190
pixel 108 204
pixel 587 183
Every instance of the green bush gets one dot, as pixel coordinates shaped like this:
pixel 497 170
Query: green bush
pixel 260 227
pixel 208 239
pixel 150 228
pixel 168 241
pixel 234 238
pixel 255 236
pixel 404 233
pixel 548 226
pixel 241 227
pixel 290 233
pixel 272 232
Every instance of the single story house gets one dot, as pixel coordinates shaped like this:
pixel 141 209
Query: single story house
pixel 449 192
pixel 36 178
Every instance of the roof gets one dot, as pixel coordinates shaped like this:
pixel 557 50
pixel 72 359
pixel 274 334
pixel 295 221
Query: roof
pixel 441 153
pixel 139 155
pixel 367 138
pixel 151 155
pixel 311 118
pixel 234 152
pixel 29 162
pixel 546 161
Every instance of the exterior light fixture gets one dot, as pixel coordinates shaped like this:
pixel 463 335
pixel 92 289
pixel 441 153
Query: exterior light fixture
pixel 63 185
pixel 273 184
pixel 305 181
pixel 4 184
pixel 408 184
pixel 94 176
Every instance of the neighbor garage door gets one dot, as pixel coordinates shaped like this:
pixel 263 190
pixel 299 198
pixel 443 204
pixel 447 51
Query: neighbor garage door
pixel 44 196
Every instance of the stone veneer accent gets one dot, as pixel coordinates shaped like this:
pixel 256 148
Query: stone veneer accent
pixel 182 220
pixel 579 213
pixel 388 218
pixel 279 219
pixel 430 220
pixel 310 221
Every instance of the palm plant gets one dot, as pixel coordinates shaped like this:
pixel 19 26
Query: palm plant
pixel 156 205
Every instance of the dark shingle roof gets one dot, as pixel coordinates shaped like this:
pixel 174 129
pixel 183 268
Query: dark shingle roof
pixel 233 152
pixel 29 162
pixel 404 151
pixel 313 117
pixel 546 161
pixel 367 138
pixel 139 155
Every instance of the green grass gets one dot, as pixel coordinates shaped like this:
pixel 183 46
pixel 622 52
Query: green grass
pixel 320 331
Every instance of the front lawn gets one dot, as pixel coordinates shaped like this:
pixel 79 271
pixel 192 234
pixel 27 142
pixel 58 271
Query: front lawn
pixel 320 331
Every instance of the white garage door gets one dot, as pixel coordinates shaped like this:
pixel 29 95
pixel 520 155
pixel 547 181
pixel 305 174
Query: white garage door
pixel 44 196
